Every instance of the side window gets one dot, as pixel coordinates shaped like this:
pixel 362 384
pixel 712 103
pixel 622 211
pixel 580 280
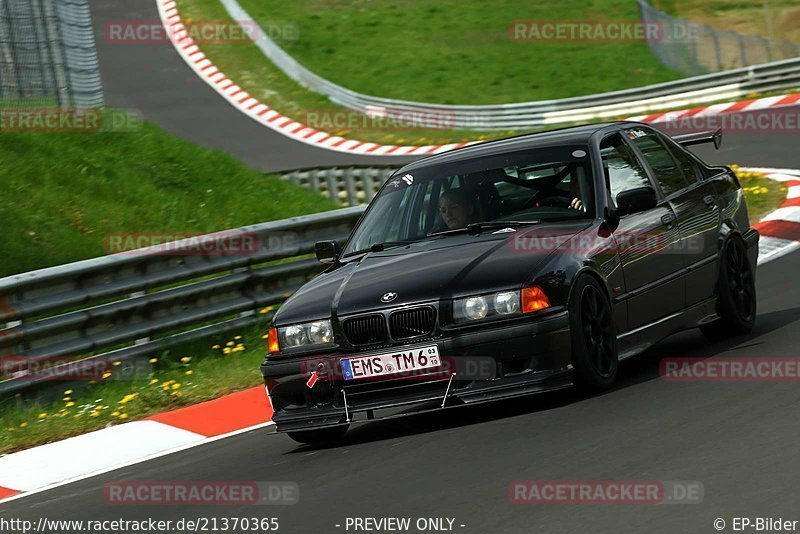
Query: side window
pixel 687 166
pixel 669 175
pixel 623 171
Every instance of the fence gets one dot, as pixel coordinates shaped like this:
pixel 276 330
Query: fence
pixel 47 55
pixel 706 49
pixel 128 306
pixel 641 100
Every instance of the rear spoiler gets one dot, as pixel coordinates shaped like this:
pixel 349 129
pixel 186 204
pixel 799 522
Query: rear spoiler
pixel 700 138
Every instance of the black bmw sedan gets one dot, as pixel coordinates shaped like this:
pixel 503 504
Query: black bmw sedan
pixel 512 267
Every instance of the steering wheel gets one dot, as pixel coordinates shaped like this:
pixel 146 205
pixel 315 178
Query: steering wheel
pixel 558 201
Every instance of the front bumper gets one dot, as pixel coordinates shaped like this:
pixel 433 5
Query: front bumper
pixel 528 356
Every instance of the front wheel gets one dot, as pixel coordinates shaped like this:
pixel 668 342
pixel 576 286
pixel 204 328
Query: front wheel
pixel 594 337
pixel 736 294
pixel 320 436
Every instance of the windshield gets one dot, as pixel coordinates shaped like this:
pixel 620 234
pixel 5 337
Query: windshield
pixel 547 184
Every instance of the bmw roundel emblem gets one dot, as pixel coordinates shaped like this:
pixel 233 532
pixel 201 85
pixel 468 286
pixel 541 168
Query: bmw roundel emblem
pixel 389 297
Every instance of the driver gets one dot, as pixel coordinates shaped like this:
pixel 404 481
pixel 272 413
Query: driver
pixel 457 208
pixel 574 189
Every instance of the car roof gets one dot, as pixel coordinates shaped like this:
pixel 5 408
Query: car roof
pixel 562 136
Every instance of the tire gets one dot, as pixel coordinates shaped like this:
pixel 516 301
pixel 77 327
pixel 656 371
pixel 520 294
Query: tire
pixel 736 294
pixel 321 436
pixel 594 337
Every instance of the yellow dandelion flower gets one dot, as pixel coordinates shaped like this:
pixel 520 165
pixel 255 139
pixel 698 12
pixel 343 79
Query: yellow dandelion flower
pixel 153 360
pixel 230 344
pixel 106 374
pixel 69 404
pixel 115 364
pixel 23 425
pixel 94 413
pixel 42 415
pixel 226 351
pixel 237 337
pixel 127 398
pixel 176 393
pixel 66 399
pixel 189 372
pixel 154 381
pixel 68 392
pixel 123 416
pixel 176 386
pixel 215 347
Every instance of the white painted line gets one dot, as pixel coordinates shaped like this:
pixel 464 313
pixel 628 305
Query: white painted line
pixel 790 213
pixel 63 460
pixel 772 248
pixel 152 456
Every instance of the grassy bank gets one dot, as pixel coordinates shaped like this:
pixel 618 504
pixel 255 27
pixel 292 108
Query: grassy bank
pixel 417 55
pixel 64 192
pixel 775 19
pixel 179 377
pixel 456 51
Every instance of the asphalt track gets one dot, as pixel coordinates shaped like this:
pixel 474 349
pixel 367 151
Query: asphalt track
pixel 152 79
pixel 739 439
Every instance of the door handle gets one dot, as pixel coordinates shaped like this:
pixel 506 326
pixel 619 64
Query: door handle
pixel 710 201
pixel 668 220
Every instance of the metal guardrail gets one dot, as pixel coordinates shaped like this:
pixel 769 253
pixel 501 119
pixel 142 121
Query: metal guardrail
pixel 48 56
pixel 347 186
pixel 129 305
pixel 706 49
pixel 696 90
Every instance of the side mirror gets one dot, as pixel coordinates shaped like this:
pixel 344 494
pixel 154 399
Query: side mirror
pixel 326 251
pixel 636 200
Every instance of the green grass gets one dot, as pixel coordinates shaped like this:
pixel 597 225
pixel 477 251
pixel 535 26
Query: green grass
pixel 775 19
pixel 63 193
pixel 763 195
pixel 458 51
pixel 173 382
pixel 472 59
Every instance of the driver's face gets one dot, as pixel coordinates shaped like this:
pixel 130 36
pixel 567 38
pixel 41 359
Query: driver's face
pixel 455 213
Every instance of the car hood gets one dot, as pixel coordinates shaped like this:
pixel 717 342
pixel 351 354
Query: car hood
pixel 446 267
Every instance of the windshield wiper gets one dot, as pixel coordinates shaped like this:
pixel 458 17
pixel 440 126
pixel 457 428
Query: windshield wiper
pixel 477 228
pixel 379 247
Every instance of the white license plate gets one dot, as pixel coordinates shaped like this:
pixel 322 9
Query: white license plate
pixel 390 363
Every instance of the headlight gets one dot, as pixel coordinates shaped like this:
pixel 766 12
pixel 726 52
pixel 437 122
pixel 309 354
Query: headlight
pixel 305 334
pixel 501 304
pixel 320 332
pixel 475 308
pixel 507 302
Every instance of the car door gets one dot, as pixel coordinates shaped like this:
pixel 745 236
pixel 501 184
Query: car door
pixel 647 241
pixel 695 204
